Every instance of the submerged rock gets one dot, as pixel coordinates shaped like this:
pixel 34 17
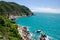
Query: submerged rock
pixel 38 31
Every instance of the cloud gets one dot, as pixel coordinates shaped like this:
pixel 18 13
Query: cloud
pixel 50 10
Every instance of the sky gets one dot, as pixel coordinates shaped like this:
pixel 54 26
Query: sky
pixel 40 5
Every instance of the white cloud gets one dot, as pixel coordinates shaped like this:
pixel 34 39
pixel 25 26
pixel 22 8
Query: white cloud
pixel 50 10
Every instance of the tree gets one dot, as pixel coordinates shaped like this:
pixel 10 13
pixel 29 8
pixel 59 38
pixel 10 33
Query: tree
pixel 2 21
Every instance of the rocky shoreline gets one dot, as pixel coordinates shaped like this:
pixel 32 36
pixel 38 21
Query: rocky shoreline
pixel 25 34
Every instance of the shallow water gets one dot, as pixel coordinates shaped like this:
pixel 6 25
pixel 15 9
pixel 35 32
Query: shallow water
pixel 47 22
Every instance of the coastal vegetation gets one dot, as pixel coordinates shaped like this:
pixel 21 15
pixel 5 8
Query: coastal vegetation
pixel 8 31
pixel 8 28
pixel 12 8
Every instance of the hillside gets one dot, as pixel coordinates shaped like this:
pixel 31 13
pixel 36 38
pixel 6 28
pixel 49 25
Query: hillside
pixel 11 8
pixel 8 31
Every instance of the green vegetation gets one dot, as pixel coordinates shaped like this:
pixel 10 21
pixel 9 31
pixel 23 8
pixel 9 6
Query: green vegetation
pixel 11 8
pixel 8 31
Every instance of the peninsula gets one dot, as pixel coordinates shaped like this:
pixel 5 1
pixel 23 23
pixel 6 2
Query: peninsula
pixel 9 29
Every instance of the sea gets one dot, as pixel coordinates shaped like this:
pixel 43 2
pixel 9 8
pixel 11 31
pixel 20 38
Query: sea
pixel 48 23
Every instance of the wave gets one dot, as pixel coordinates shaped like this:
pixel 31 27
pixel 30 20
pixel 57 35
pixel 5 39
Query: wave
pixel 50 38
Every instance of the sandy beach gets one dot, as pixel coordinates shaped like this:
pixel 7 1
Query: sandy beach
pixel 17 16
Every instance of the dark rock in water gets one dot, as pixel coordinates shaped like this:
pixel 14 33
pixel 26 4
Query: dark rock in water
pixel 13 19
pixel 43 36
pixel 25 29
pixel 38 31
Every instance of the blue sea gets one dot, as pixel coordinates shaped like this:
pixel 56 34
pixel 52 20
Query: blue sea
pixel 48 23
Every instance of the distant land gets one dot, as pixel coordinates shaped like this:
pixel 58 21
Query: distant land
pixel 12 8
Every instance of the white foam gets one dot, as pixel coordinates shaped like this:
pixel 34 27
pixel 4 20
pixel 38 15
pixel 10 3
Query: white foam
pixel 48 38
pixel 31 35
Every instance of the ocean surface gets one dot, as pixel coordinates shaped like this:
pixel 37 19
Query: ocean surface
pixel 48 23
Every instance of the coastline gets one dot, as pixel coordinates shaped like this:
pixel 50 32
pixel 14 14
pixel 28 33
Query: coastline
pixel 19 30
pixel 23 30
pixel 19 16
pixel 25 34
pixel 12 17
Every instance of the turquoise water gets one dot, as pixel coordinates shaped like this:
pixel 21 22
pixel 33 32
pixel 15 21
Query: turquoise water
pixel 49 23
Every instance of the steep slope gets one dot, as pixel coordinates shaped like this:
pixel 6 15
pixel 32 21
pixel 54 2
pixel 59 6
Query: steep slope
pixel 8 31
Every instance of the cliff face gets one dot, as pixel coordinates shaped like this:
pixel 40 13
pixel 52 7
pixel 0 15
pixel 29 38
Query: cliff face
pixel 11 8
